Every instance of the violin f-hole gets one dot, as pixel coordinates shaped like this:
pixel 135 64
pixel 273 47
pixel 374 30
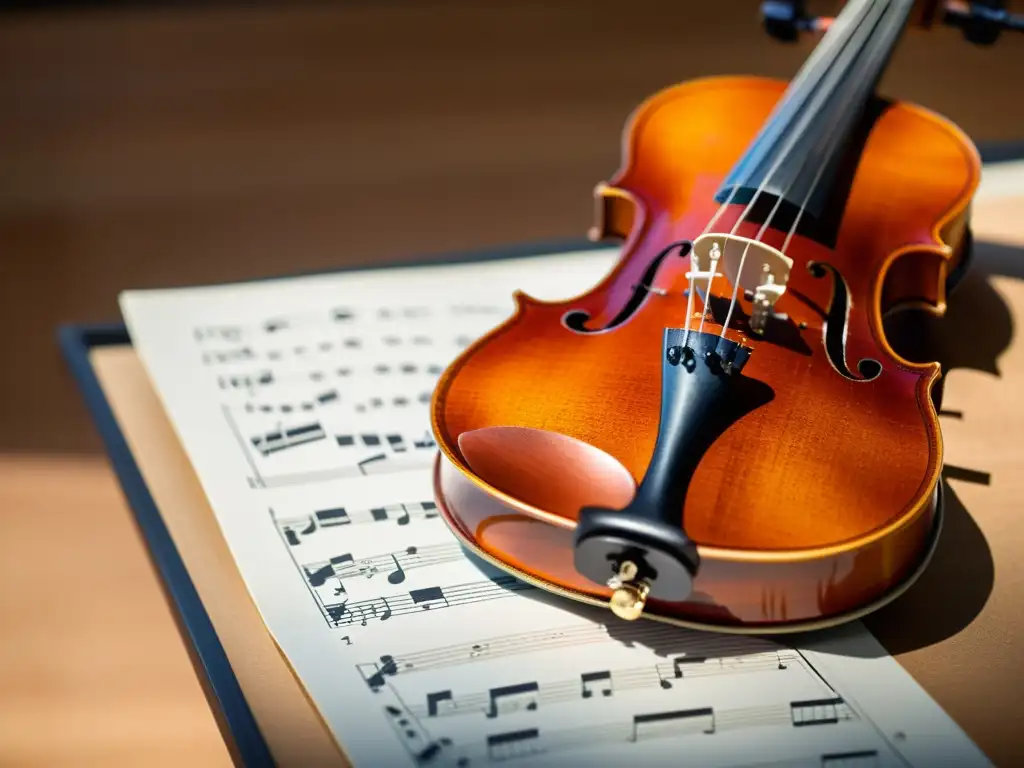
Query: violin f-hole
pixel 576 320
pixel 835 329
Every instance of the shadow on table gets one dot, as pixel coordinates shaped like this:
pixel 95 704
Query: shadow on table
pixel 976 330
pixel 950 593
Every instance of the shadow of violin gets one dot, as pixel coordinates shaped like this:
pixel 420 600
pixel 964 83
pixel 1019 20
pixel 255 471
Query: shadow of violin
pixel 976 330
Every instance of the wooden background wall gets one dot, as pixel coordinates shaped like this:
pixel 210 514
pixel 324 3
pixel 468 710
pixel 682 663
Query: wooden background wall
pixel 172 145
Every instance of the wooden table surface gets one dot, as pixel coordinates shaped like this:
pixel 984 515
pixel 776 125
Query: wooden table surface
pixel 165 147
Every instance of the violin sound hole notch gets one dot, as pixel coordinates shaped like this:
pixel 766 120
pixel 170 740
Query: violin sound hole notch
pixel 836 327
pixel 576 320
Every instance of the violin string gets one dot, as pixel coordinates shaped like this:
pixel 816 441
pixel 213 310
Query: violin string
pixel 837 73
pixel 814 183
pixel 821 94
pixel 838 35
pixel 844 29
pixel 865 62
pixel 838 31
pixel 690 288
pixel 844 32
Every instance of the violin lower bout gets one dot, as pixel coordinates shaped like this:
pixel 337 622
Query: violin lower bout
pixel 733 590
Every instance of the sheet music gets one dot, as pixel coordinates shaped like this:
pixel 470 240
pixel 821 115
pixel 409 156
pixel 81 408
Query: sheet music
pixel 303 406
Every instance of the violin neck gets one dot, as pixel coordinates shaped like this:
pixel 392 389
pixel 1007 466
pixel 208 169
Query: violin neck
pixel 798 158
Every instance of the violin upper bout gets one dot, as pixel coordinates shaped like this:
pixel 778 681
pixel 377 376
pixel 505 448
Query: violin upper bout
pixel 921 277
pixel 933 245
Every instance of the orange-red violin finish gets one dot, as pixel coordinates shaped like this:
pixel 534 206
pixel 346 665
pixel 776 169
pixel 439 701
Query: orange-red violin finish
pixel 818 497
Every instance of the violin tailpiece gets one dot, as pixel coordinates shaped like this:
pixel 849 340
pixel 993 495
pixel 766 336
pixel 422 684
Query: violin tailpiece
pixel 643 549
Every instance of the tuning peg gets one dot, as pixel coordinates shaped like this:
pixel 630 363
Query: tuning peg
pixel 982 22
pixel 786 20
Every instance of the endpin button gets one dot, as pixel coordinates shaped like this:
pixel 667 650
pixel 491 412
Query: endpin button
pixel 629 598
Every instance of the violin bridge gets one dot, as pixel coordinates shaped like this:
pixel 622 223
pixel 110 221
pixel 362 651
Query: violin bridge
pixel 757 267
pixel 704 265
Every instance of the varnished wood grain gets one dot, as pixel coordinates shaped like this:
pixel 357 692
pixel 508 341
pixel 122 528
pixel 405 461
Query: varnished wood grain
pixel 818 501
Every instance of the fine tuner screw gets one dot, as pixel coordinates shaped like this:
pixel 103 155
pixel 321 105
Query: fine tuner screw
pixel 630 596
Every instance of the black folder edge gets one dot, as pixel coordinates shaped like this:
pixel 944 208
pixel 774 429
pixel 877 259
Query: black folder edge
pixel 237 724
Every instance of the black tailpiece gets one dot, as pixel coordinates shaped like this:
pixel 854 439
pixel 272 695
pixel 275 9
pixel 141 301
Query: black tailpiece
pixel 702 392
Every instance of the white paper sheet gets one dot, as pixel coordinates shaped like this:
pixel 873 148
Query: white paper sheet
pixel 302 404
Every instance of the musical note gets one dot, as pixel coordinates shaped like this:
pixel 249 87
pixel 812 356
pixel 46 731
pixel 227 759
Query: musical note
pixel 248 382
pixel 414 737
pixel 677 668
pixel 389 443
pixel 397 401
pixel 219 332
pixel 318 576
pixel 397 576
pixel 761 653
pixel 327 397
pixel 512 698
pixel 597 685
pixel 281 324
pixel 863 759
pixel 229 356
pixel 394 564
pixel 385 460
pixel 273 326
pixel 407 371
pixel 370 462
pixel 402 519
pixel 431 598
pixel 396 442
pixel 435 699
pixel 388 452
pixel 362 611
pixel 657 724
pixel 639 729
pixel 386 668
pixel 820 712
pixel 390 341
pixel 282 439
pixel 295 530
pixel 591 682
pixel 331 517
pixel 337 612
pixel 408 313
pixel 502 746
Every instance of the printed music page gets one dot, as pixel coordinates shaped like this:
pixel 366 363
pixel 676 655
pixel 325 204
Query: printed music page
pixel 303 405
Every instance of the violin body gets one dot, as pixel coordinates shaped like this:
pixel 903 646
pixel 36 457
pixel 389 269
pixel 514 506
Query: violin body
pixel 819 497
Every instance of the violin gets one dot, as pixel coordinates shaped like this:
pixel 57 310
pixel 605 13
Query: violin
pixel 719 434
